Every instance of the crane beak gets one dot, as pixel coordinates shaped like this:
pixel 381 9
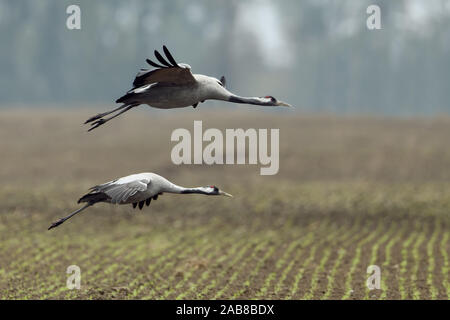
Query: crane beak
pixel 223 193
pixel 283 104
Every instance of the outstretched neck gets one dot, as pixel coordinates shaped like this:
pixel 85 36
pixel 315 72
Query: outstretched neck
pixel 173 188
pixel 193 190
pixel 248 100
pixel 221 93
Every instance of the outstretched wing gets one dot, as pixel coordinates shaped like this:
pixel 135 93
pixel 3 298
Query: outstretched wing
pixel 168 72
pixel 121 192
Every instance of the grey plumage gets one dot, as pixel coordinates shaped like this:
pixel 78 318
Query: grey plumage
pixel 136 189
pixel 119 193
pixel 172 85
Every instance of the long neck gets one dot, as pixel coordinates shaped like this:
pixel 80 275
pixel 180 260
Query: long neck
pixel 173 188
pixel 248 100
pixel 194 190
pixel 220 93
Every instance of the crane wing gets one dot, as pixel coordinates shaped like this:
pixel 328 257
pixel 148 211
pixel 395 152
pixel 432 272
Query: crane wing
pixel 168 72
pixel 166 75
pixel 121 192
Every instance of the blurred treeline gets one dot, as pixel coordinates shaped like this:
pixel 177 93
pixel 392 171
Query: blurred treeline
pixel 318 55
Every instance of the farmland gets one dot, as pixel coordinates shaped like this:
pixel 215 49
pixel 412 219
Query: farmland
pixel 351 192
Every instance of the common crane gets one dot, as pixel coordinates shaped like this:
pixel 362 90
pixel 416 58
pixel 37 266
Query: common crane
pixel 172 85
pixel 136 189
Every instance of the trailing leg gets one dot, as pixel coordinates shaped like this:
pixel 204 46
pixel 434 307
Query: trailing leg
pixel 101 121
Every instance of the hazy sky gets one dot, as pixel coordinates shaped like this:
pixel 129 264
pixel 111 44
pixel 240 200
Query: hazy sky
pixel 315 53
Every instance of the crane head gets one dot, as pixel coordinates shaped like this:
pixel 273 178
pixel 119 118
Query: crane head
pixel 271 101
pixel 214 191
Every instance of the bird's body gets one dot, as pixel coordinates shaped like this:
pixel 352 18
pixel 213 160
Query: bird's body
pixel 136 189
pixel 172 85
pixel 133 188
pixel 166 96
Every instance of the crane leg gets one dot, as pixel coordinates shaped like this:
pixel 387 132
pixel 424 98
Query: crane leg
pixel 101 121
pixel 101 115
pixel 62 220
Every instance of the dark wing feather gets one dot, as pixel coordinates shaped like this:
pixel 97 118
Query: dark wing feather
pixel 161 59
pixel 153 64
pixel 169 73
pixel 169 56
pixel 173 75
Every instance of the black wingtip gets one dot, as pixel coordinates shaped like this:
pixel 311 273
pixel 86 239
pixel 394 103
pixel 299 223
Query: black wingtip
pixel 161 59
pixel 153 64
pixel 169 56
pixel 223 80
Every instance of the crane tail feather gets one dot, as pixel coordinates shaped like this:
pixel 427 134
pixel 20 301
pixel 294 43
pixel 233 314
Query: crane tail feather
pixel 93 197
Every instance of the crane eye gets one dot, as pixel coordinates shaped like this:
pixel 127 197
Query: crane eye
pixel 270 97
